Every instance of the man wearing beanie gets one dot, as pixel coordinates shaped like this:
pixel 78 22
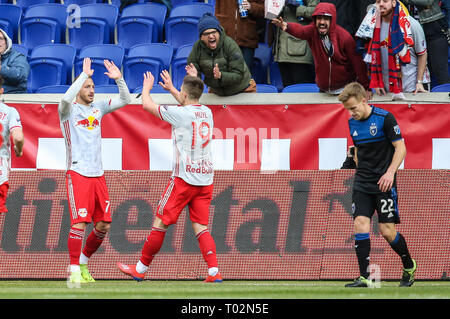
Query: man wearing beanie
pixel 219 59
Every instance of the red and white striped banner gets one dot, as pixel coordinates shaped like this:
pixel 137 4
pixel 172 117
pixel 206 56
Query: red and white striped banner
pixel 254 137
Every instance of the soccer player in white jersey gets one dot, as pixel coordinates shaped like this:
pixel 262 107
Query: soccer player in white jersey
pixel 87 193
pixel 10 126
pixel 191 183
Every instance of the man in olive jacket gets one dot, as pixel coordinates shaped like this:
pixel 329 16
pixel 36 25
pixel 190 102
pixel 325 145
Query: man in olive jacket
pixel 219 59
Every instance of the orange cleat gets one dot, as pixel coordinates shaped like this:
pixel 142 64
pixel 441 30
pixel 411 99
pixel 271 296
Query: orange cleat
pixel 130 270
pixel 216 278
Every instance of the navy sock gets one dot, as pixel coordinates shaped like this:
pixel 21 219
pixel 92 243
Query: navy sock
pixel 362 248
pixel 400 247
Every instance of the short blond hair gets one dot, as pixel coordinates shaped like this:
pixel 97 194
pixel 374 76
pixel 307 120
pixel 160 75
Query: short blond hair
pixel 353 89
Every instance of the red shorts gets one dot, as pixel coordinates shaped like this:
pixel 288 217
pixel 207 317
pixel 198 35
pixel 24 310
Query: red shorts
pixel 3 195
pixel 88 198
pixel 177 195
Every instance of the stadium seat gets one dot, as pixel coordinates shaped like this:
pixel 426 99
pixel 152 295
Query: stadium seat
pixel 97 25
pixel 178 64
pixel 10 16
pixel 50 64
pixel 20 48
pixel 43 24
pixel 441 88
pixel 301 88
pixel 80 2
pixel 27 3
pixel 53 89
pixel 141 23
pixel 153 57
pixel 106 89
pixel 98 53
pixel 266 88
pixel 263 55
pixel 155 89
pixel 181 25
pixel 275 75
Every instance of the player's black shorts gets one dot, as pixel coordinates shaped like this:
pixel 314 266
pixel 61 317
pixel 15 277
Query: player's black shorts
pixel 385 204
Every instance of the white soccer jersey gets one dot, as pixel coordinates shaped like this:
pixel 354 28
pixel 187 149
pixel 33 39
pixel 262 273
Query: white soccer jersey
pixel 81 128
pixel 192 131
pixel 9 119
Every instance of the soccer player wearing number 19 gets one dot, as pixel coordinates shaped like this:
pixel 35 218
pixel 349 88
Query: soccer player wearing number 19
pixel 191 183
pixel 379 152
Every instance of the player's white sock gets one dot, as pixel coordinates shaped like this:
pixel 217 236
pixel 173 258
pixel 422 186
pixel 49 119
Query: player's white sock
pixel 74 268
pixel 83 259
pixel 141 268
pixel 213 271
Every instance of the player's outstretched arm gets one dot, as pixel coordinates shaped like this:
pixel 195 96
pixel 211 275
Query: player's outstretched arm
pixel 18 140
pixel 114 73
pixel 69 96
pixel 167 84
pixel 147 102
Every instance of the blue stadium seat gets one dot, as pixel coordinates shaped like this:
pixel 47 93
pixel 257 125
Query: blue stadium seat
pixel 97 25
pixel 155 89
pixel 441 88
pixel 153 57
pixel 27 3
pixel 81 2
pixel 98 53
pixel 141 23
pixel 266 88
pixel 263 55
pixel 181 25
pixel 178 64
pixel 43 24
pixel 106 89
pixel 302 88
pixel 53 89
pixel 50 64
pixel 20 48
pixel 275 75
pixel 10 16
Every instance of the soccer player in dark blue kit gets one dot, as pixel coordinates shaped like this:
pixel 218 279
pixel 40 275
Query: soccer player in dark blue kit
pixel 379 152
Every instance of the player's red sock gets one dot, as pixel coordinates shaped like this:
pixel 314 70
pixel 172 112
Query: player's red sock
pixel 74 244
pixel 93 241
pixel 208 248
pixel 152 245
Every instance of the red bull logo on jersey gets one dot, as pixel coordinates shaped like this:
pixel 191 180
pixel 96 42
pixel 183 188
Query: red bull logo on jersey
pixel 90 123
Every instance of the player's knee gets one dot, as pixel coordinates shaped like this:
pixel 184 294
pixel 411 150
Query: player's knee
pixel 388 232
pixel 361 224
pixel 103 227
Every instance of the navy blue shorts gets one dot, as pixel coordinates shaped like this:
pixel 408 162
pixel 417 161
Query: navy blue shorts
pixel 385 204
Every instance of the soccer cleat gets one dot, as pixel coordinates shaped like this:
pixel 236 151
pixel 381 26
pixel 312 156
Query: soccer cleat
pixel 130 270
pixel 85 273
pixel 360 282
pixel 76 278
pixel 408 276
pixel 216 278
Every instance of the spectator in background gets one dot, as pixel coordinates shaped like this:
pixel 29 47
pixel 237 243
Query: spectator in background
pixel 293 55
pixel 14 67
pixel 435 27
pixel 219 59
pixel 350 13
pixel 397 37
pixel 333 48
pixel 243 30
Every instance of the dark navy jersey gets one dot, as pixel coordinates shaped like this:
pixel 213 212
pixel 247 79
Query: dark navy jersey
pixel 373 138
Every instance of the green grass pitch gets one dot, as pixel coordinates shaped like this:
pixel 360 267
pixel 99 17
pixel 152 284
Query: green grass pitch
pixel 150 289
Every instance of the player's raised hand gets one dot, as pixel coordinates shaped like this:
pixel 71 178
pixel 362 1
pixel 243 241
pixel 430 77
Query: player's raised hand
pixel 149 80
pixel 113 71
pixel 87 67
pixel 191 70
pixel 167 81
